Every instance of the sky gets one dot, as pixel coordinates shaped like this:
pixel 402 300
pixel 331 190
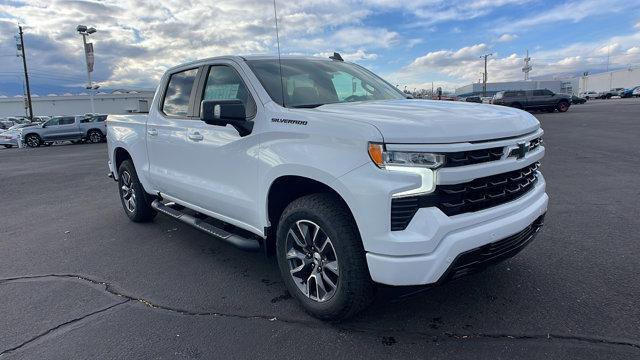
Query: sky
pixel 409 43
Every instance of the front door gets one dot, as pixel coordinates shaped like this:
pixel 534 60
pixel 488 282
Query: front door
pixel 223 166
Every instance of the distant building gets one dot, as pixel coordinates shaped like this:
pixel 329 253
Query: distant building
pixel 623 78
pixel 114 102
pixel 557 86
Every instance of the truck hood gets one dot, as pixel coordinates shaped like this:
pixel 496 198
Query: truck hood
pixel 432 122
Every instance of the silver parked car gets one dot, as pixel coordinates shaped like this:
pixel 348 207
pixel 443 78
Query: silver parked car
pixel 73 128
pixel 11 137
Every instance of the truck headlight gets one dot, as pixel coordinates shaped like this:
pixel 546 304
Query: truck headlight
pixel 384 158
pixel 419 163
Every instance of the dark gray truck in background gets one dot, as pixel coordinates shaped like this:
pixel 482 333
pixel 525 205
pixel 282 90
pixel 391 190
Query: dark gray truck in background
pixel 533 100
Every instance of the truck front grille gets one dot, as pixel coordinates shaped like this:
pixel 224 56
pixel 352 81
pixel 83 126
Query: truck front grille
pixel 475 195
pixel 471 157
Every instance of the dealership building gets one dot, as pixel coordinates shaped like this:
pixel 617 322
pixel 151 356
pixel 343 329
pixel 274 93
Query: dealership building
pixel 622 78
pixel 604 81
pixel 114 102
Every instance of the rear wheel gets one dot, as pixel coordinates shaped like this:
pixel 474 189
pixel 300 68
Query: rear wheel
pixel 33 140
pixel 135 200
pixel 321 258
pixel 562 106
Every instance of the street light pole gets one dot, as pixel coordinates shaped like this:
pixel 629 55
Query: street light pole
pixel 84 31
pixel 484 78
pixel 89 84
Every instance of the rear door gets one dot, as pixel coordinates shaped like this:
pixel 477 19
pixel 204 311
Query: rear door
pixel 166 134
pixel 541 98
pixel 222 165
pixel 67 129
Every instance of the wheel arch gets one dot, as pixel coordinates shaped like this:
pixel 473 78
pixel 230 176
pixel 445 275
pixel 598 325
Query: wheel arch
pixel 95 129
pixel 287 188
pixel 32 133
pixel 120 154
pixel 516 105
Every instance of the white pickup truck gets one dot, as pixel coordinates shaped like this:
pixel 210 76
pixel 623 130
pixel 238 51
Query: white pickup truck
pixel 335 171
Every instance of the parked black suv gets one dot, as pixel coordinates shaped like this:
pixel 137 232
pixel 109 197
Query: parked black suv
pixel 533 100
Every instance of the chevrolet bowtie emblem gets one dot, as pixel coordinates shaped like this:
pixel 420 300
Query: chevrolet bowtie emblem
pixel 523 147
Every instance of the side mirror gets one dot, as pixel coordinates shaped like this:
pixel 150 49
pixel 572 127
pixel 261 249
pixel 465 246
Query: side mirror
pixel 226 112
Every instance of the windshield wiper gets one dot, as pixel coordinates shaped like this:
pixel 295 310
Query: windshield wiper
pixel 307 106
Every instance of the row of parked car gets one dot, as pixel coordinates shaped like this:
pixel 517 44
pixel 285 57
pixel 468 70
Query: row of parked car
pixel 45 131
pixel 616 92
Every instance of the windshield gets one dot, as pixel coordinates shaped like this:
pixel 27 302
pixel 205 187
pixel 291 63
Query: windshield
pixel 311 83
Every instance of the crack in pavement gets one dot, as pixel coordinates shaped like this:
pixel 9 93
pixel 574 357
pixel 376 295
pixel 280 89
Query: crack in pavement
pixel 60 326
pixel 111 290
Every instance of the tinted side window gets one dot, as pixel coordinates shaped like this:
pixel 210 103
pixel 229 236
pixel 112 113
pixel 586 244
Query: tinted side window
pixel 224 83
pixel 67 120
pixel 538 93
pixel 176 98
pixel 547 92
pixel 54 121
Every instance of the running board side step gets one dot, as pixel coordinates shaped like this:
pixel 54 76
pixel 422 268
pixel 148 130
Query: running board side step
pixel 233 239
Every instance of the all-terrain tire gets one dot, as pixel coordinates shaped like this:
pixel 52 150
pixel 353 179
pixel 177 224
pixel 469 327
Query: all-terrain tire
pixel 354 290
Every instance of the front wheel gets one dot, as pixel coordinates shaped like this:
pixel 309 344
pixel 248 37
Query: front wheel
pixel 321 258
pixel 563 106
pixel 94 136
pixel 135 200
pixel 33 140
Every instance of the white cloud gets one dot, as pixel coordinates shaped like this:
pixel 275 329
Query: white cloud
pixel 463 66
pixel 507 37
pixel 573 11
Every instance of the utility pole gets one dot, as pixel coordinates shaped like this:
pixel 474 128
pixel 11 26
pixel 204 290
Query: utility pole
pixel 484 78
pixel 26 74
pixel 608 55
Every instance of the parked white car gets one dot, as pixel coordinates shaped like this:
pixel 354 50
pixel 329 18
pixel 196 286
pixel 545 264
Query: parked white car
pixel 330 167
pixel 12 136
pixel 591 95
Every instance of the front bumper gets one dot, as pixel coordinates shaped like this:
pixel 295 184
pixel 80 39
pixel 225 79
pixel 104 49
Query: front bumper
pixel 459 235
pixel 12 142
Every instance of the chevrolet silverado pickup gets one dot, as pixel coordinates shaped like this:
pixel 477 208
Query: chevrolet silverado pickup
pixel 334 171
pixel 78 128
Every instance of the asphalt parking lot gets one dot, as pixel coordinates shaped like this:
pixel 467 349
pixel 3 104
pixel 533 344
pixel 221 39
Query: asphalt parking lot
pixel 79 281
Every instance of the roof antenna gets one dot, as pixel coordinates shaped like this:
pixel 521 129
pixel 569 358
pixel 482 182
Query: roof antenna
pixel 336 56
pixel 275 15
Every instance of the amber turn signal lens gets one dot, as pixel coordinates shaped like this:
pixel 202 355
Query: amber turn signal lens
pixel 375 153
